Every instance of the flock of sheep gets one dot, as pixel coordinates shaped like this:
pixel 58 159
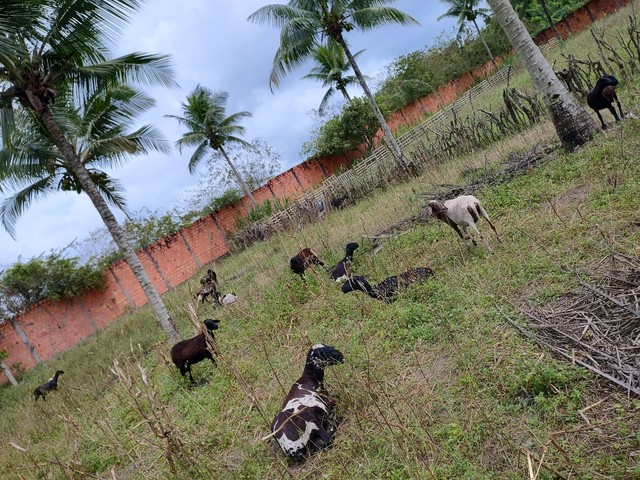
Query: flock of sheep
pixel 307 419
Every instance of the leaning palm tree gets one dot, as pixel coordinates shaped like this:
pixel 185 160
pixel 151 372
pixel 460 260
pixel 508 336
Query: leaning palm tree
pixel 331 68
pixel 573 124
pixel 306 22
pixel 468 11
pixel 55 48
pixel 209 126
pixel 32 167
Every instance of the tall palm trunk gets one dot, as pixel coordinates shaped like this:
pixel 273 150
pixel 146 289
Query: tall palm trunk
pixel 395 147
pixel 573 124
pixel 486 47
pixel 110 221
pixel 238 176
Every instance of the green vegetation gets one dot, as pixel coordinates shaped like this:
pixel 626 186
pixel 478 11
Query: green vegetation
pixel 431 386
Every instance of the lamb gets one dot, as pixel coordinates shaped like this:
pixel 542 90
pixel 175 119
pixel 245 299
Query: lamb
pixel 193 350
pixel 461 212
pixel 52 384
pixel 305 258
pixel 342 271
pixel 387 289
pixel 306 422
pixel 227 299
pixel 603 95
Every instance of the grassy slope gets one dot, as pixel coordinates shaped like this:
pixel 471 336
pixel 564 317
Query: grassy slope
pixel 429 386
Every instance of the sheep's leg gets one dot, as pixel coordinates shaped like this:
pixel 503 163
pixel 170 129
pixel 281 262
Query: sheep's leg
pixel 613 112
pixel 483 212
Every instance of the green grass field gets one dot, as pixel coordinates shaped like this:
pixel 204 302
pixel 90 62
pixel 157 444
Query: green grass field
pixel 429 387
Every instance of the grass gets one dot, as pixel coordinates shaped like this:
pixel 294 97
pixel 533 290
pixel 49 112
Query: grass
pixel 431 384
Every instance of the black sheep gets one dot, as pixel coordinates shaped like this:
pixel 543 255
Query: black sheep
pixel 603 95
pixel 342 270
pixel 305 258
pixel 52 384
pixel 306 421
pixel 387 289
pixel 193 350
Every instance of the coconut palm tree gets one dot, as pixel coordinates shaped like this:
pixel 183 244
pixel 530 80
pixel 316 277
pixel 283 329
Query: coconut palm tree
pixel 32 167
pixel 304 23
pixel 57 48
pixel 468 11
pixel 331 68
pixel 205 117
pixel 573 124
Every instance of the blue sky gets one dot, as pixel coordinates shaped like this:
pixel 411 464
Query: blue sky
pixel 212 43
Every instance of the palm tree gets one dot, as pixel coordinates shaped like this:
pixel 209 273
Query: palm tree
pixel 55 48
pixel 205 117
pixel 468 11
pixel 573 124
pixel 32 167
pixel 305 22
pixel 331 66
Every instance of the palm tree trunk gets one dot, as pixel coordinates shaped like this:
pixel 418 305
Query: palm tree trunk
pixel 7 372
pixel 395 147
pixel 486 47
pixel 110 221
pixel 573 124
pixel 238 176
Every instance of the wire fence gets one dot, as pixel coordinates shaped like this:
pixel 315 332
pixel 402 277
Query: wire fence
pixel 382 157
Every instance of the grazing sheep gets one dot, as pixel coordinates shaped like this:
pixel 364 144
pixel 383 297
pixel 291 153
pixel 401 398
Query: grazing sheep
pixel 227 299
pixel 210 277
pixel 193 350
pixel 603 95
pixel 461 212
pixel 52 384
pixel 208 290
pixel 306 421
pixel 387 289
pixel 342 270
pixel 305 258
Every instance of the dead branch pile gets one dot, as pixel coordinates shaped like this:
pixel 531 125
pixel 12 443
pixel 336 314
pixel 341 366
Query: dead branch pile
pixel 598 328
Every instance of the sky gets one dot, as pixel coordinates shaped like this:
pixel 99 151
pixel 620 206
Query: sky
pixel 211 43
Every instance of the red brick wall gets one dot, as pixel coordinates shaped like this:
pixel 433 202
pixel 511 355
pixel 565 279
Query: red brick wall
pixel 53 327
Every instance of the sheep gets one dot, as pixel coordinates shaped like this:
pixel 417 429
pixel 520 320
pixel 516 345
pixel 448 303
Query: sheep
pixel 305 422
pixel 461 212
pixel 208 290
pixel 227 299
pixel 193 350
pixel 210 277
pixel 52 384
pixel 342 270
pixel 387 289
pixel 305 258
pixel 603 95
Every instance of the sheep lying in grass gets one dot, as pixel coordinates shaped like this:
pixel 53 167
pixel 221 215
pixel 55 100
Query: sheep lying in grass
pixel 306 421
pixel 52 384
pixel 342 270
pixel 304 259
pixel 387 289
pixel 602 96
pixel 461 212
pixel 193 350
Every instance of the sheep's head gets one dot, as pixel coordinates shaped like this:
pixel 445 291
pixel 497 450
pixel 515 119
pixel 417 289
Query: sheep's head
pixel 211 324
pixel 321 356
pixel 435 208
